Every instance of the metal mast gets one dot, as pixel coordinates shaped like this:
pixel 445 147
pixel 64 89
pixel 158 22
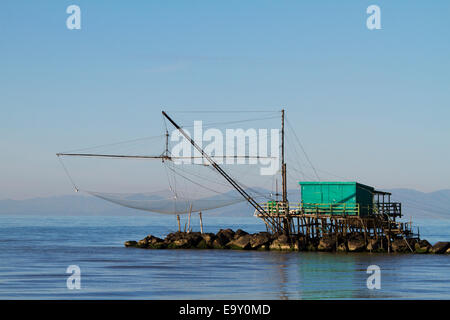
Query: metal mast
pixel 283 164
pixel 285 204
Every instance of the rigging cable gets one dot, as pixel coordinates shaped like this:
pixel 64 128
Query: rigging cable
pixel 68 175
pixel 198 184
pixel 301 146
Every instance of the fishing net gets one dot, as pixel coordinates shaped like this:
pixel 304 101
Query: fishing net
pixel 165 174
pixel 168 205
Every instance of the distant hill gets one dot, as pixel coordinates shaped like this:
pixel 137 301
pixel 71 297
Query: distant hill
pixel 62 206
pixel 415 204
pixel 418 204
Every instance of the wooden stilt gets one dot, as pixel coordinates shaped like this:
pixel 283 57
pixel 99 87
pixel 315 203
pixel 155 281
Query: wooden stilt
pixel 179 223
pixel 201 222
pixel 189 219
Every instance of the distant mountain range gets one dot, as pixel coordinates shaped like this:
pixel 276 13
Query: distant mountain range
pixel 418 204
pixel 415 204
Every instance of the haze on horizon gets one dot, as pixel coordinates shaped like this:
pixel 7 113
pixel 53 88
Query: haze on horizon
pixel 370 106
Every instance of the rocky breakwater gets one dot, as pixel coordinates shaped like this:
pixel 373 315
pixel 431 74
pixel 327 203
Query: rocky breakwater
pixel 241 240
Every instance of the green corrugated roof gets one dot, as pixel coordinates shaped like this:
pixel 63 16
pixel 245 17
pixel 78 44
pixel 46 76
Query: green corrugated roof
pixel 336 182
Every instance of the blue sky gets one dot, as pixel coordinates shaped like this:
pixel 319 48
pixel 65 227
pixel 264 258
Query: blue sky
pixel 368 105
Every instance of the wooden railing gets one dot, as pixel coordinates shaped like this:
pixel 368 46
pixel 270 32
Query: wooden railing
pixel 277 208
pixel 392 209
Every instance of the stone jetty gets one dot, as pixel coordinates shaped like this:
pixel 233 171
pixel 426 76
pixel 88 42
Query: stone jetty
pixel 242 240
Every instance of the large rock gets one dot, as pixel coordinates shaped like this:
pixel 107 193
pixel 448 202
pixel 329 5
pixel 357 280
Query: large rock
pixel 440 247
pixel 239 233
pixel 143 243
pixel 149 241
pixel 341 248
pixel 281 243
pixel 423 246
pixel 217 244
pixel 223 237
pixel 372 245
pixel 402 246
pixel 207 241
pixel 241 243
pixel 179 244
pixel 326 244
pixel 356 245
pixel 302 243
pixel 130 243
pixel 261 240
pixel 183 240
pixel 171 237
pixel 311 246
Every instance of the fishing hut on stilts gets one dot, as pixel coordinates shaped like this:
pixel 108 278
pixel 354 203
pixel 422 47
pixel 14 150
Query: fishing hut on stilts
pixel 331 210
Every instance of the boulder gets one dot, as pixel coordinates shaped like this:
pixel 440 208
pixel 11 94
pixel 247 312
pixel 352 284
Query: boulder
pixel 130 243
pixel 440 247
pixel 422 246
pixel 356 245
pixel 341 248
pixel 154 242
pixel 448 251
pixel 217 244
pixel 179 244
pixel 372 245
pixel 194 238
pixel 241 243
pixel 171 237
pixel 400 246
pixel 207 241
pixel 148 242
pixel 157 245
pixel 412 243
pixel 183 240
pixel 223 237
pixel 326 244
pixel 281 243
pixel 260 240
pixel 239 233
pixel 142 243
pixel 311 247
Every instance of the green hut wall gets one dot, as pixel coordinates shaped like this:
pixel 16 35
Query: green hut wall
pixel 338 194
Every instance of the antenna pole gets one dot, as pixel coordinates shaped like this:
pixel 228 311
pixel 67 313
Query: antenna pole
pixel 283 164
pixel 286 219
pixel 167 144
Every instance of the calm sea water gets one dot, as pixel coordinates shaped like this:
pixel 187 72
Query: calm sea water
pixel 36 251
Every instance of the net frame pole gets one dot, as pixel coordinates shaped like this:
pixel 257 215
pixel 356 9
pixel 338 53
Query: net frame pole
pixel 201 222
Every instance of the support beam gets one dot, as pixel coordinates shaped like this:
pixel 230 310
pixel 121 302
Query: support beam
pixel 189 219
pixel 201 222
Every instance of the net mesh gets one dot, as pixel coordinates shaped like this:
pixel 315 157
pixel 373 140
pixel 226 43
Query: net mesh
pixel 170 205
